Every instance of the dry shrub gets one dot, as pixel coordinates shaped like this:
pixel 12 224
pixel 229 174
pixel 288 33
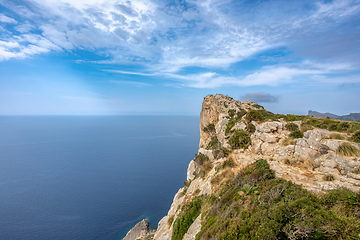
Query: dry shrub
pixel 223 177
pixel 288 141
pixel 329 177
pixel 348 150
pixel 336 136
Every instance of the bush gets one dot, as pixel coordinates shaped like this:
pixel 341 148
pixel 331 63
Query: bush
pixel 240 139
pixel 347 149
pixel 356 137
pixel 254 115
pixel 292 127
pixel 225 151
pixel 240 114
pixel 213 144
pixel 329 177
pixel 209 128
pixel 189 213
pixel 228 163
pixel 201 158
pixel 258 106
pixel 232 112
pixel 296 134
pixel 250 128
pixel 229 126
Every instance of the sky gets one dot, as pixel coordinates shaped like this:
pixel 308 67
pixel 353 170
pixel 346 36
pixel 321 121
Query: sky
pixel 95 57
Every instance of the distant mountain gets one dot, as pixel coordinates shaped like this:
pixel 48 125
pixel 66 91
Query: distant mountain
pixel 355 117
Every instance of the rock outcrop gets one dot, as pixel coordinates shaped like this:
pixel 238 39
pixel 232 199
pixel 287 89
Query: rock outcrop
pixel 311 161
pixel 139 231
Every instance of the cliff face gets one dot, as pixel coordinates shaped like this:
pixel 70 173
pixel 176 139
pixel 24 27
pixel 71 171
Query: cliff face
pixel 235 134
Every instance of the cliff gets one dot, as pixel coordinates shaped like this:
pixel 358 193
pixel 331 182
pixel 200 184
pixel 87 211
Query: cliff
pixel 234 135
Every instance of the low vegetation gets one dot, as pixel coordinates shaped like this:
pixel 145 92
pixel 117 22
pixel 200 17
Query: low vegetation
pixel 240 139
pixel 348 150
pixel 256 205
pixel 356 137
pixel 336 136
pixel 213 144
pixel 296 134
pixel 189 212
pixel 329 177
pixel 250 128
pixel 204 164
pixel 292 127
pixel 209 128
pixel 288 141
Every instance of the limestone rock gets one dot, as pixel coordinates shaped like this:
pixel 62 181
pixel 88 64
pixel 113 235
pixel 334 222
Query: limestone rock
pixel 141 229
pixel 270 127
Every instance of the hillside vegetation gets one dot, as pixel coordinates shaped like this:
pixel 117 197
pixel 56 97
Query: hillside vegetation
pixel 256 205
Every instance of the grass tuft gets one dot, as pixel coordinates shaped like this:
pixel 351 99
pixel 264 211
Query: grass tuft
pixel 348 150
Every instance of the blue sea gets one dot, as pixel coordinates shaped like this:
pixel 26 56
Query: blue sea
pixel 90 177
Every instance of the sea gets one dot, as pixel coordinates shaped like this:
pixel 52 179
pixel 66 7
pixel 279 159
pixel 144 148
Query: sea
pixel 90 177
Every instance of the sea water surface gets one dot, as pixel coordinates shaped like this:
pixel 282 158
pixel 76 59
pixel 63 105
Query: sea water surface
pixel 90 177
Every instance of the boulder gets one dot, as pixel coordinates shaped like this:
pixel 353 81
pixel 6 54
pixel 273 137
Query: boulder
pixel 141 229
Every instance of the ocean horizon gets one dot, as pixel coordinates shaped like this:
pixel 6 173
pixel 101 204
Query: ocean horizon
pixel 90 177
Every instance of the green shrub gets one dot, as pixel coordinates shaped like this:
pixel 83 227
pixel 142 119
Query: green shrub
pixel 291 117
pixel 225 151
pixel 201 158
pixel 343 127
pixel 228 163
pixel 258 106
pixel 213 144
pixel 347 149
pixel 240 139
pixel 240 114
pixel 292 127
pixel 356 137
pixel 333 127
pixel 209 128
pixel 232 112
pixel 229 126
pixel 189 213
pixel 254 115
pixel 296 134
pixel 250 128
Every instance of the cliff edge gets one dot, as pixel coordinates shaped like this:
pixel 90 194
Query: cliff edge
pixel 318 154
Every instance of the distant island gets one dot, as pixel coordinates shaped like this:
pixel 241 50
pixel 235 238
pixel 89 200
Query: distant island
pixel 354 117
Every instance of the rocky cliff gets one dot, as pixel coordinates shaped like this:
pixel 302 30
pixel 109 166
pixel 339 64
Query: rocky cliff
pixel 235 134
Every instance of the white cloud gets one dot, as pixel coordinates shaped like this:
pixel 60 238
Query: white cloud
pixel 166 38
pixel 6 19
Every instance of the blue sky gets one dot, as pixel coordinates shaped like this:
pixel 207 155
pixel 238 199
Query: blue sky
pixel 163 57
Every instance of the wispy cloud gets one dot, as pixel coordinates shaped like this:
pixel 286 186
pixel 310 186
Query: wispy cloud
pixel 166 38
pixel 139 84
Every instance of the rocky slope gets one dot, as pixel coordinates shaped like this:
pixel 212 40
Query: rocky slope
pixel 235 134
